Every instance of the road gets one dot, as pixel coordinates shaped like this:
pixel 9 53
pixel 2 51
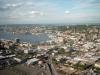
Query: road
pixel 23 69
pixel 50 66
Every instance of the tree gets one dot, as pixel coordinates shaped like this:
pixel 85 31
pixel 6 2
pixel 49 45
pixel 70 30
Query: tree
pixel 61 51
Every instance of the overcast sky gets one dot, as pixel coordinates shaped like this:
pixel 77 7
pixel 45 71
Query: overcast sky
pixel 49 11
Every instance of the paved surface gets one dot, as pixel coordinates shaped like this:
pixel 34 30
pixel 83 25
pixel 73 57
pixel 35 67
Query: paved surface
pixel 27 70
pixel 22 69
pixel 50 66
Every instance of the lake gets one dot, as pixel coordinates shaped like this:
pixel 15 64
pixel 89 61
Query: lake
pixel 34 39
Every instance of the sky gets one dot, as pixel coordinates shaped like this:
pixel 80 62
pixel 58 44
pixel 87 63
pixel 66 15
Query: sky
pixel 49 11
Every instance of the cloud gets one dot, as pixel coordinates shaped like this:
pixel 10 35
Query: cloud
pixel 81 18
pixel 67 12
pixel 36 13
pixel 10 6
pixel 29 14
pixel 13 5
pixel 50 10
pixel 80 4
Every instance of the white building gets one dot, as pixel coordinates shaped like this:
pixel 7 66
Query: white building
pixel 31 61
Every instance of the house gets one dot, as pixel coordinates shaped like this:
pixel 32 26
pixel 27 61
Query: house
pixel 32 61
pixel 97 65
pixel 27 51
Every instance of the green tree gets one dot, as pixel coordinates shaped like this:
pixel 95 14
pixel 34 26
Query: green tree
pixel 61 51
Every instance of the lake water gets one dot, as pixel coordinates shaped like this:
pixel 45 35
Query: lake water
pixel 34 39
